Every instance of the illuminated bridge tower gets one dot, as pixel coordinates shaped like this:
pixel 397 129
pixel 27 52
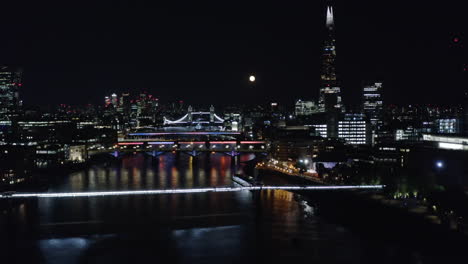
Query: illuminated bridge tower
pixel 330 93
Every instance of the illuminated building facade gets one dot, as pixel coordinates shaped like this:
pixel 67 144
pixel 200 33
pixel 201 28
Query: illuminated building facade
pixel 329 82
pixel 409 133
pixel 321 129
pixel 305 108
pixel 372 106
pixel 447 142
pixel 293 142
pixel 115 100
pixel 353 129
pixel 10 83
pixel 372 103
pixel 448 126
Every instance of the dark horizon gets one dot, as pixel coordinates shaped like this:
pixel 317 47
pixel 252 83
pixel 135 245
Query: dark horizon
pixel 204 54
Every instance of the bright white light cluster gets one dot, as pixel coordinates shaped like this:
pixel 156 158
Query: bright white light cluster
pixel 197 190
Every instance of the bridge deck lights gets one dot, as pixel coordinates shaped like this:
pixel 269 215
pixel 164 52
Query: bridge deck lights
pixel 196 190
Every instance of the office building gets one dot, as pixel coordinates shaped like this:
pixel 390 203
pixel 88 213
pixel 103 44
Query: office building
pixel 353 128
pixel 448 126
pixel 372 103
pixel 10 84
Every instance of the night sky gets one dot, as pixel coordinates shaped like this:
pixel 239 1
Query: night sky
pixel 202 54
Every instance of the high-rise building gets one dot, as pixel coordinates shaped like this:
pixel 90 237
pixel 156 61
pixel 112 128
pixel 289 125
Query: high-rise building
pixel 372 103
pixel 353 129
pixel 124 103
pixel 115 100
pixel 329 81
pixel 372 107
pixel 10 83
pixel 107 101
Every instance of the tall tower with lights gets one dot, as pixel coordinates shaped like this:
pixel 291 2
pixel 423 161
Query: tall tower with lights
pixel 330 92
pixel 10 84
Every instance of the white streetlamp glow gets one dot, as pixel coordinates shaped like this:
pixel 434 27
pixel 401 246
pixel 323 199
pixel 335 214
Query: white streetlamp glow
pixel 252 78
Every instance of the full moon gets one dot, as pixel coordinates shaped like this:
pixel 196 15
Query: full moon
pixel 252 78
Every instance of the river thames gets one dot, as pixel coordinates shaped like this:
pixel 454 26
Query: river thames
pixel 231 227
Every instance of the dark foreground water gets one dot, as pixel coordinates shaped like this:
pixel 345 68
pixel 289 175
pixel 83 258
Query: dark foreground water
pixel 240 227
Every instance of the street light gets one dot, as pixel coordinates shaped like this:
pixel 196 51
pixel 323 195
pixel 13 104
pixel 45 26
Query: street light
pixel 252 78
pixel 439 164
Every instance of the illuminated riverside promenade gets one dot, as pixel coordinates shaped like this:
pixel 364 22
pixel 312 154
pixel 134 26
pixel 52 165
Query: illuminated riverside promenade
pixel 290 172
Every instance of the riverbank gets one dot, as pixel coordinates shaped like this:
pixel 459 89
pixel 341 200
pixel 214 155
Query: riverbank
pixel 412 206
pixel 41 178
pixel 365 213
pixel 305 176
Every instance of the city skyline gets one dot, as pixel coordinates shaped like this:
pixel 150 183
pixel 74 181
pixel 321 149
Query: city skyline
pixel 280 45
pixel 317 132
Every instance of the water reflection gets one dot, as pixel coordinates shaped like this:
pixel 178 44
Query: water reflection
pixel 145 172
pixel 196 227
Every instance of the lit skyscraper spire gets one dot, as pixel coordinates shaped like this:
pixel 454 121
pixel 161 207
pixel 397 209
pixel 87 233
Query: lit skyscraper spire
pixel 330 21
pixel 330 93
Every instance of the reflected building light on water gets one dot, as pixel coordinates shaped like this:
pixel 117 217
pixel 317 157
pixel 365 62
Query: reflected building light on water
pixel 162 177
pixel 150 177
pixel 175 177
pixel 213 176
pixel 136 178
pixel 189 177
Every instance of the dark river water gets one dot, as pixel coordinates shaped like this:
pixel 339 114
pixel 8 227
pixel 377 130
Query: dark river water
pixel 238 227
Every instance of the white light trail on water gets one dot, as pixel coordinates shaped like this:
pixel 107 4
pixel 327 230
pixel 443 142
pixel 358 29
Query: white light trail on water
pixel 176 191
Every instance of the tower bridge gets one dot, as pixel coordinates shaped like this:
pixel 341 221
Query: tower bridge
pixel 194 133
pixel 198 119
